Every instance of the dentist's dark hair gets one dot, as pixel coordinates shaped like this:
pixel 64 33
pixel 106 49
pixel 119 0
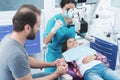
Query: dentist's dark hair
pixel 64 2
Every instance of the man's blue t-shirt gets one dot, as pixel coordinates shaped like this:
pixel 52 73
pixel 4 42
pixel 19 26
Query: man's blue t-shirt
pixel 13 60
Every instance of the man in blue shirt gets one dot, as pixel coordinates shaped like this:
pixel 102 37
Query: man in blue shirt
pixel 14 60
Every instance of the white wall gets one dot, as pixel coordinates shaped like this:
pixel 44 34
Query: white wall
pixel 6 17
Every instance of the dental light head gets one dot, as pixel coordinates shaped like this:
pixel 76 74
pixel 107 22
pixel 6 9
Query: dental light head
pixel 77 15
pixel 77 12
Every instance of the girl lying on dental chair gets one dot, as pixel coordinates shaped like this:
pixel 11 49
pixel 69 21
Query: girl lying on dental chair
pixel 89 63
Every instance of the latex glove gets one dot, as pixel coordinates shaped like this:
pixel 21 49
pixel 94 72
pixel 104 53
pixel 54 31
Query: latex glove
pixel 77 24
pixel 57 25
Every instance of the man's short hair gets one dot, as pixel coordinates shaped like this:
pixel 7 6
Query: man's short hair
pixel 26 14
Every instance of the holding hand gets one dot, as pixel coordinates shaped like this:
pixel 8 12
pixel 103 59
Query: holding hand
pixel 62 66
pixel 57 25
pixel 61 62
pixel 62 69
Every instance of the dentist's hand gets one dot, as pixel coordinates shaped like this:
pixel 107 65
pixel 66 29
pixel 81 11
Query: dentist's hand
pixel 57 25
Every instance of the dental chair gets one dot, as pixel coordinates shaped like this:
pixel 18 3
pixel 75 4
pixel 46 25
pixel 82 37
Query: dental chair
pixel 106 48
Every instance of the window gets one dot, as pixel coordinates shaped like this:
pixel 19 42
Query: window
pixel 11 5
pixel 57 3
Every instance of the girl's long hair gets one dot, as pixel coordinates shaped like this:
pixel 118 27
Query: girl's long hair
pixel 64 46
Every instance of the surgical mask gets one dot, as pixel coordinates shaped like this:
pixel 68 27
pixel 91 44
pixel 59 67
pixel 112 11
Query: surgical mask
pixel 66 14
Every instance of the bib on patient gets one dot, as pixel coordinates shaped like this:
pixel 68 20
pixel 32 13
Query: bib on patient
pixel 78 52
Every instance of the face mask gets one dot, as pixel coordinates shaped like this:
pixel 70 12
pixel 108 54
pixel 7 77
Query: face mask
pixel 67 15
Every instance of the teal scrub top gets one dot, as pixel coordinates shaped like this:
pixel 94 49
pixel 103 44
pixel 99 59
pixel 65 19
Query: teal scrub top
pixel 62 34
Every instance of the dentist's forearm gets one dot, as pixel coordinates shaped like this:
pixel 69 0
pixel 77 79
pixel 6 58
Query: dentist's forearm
pixel 48 38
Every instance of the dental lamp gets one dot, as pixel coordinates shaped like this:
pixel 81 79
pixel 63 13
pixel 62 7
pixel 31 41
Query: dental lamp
pixel 90 15
pixel 78 19
pixel 78 14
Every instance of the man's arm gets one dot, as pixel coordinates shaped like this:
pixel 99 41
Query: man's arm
pixel 34 63
pixel 60 71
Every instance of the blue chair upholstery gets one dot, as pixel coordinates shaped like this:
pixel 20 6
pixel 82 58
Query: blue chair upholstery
pixel 106 48
pixel 32 46
pixel 5 29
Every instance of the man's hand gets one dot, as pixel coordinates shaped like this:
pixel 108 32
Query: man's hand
pixel 62 69
pixel 59 62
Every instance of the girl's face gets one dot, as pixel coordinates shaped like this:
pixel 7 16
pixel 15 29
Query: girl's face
pixel 72 43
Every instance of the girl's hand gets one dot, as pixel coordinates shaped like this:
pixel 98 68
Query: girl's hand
pixel 88 59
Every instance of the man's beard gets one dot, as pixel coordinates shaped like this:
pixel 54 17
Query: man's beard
pixel 31 36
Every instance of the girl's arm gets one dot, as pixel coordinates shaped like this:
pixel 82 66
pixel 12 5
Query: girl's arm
pixel 88 59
